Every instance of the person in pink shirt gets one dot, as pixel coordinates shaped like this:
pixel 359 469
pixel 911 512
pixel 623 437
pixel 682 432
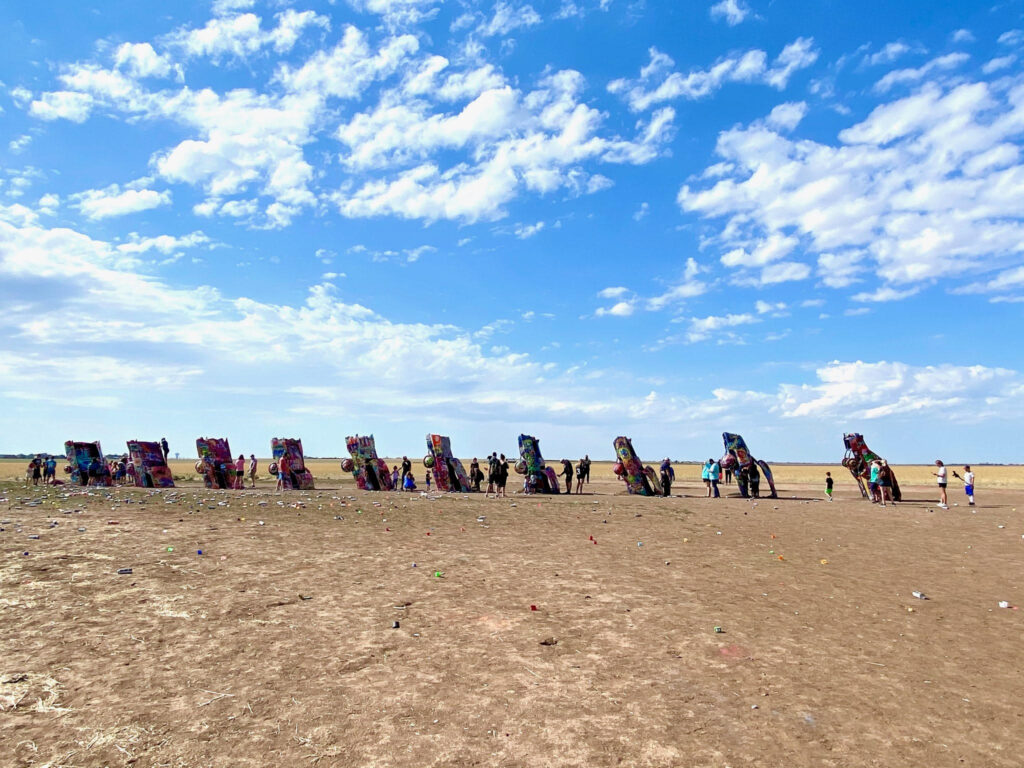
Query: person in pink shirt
pixel 240 472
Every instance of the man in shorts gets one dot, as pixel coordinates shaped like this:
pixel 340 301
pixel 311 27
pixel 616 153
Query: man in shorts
pixel 828 485
pixel 940 476
pixel 253 466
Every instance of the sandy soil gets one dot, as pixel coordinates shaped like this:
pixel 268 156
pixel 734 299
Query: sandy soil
pixel 275 646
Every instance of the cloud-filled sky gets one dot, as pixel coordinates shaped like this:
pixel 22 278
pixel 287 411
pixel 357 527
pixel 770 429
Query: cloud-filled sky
pixel 574 218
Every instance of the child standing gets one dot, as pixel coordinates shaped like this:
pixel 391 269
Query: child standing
pixel 828 485
pixel 968 480
pixel 428 482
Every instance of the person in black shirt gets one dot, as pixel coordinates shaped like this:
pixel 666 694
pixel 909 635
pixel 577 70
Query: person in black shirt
pixel 567 473
pixel 828 485
pixel 755 481
pixel 586 468
pixel 166 448
pixel 406 467
pixel 502 475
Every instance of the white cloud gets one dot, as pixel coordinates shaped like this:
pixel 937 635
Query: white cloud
pixel 859 390
pixel 998 63
pixel 62 105
pixel 702 328
pixel 962 36
pixel 766 307
pixel 114 201
pixel 733 12
pixel 924 188
pixel 690 287
pixel 241 35
pixel 905 76
pixel 786 117
pixel 613 292
pixel 19 144
pixel 537 141
pixel 508 18
pixel 885 293
pixel 658 83
pixel 641 212
pixel 1012 37
pixel 141 60
pixel 889 53
pixel 524 231
pixel 620 309
pixel 164 244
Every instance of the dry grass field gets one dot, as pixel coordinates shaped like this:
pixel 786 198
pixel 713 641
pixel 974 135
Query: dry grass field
pixel 531 631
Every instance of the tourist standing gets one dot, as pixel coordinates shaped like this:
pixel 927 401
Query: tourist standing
pixel 568 474
pixel 884 482
pixel 755 481
pixel 968 480
pixel 828 485
pixel 395 478
pixel 253 466
pixel 586 468
pixel 502 475
pixel 668 474
pixel 406 467
pixel 50 475
pixel 165 448
pixel 940 476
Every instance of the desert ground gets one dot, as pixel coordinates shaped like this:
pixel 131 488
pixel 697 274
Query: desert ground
pixel 593 630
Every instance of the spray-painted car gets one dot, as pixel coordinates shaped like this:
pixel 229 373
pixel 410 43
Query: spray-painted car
pixel 738 459
pixel 297 478
pixel 639 479
pixel 369 470
pixel 215 462
pixel 449 474
pixel 86 464
pixel 858 459
pixel 532 463
pixel 150 464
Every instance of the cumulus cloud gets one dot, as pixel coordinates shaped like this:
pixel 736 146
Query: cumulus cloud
pixel 658 82
pixel 115 201
pixel 732 12
pixel 923 188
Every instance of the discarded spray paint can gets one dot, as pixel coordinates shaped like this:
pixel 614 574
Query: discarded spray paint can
pixel 124 571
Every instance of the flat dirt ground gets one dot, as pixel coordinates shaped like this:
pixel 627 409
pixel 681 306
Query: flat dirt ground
pixel 533 631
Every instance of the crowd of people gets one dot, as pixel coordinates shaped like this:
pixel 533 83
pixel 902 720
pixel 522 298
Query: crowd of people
pixel 42 469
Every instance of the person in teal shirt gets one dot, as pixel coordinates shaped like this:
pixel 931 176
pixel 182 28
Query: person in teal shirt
pixel 873 481
pixel 714 473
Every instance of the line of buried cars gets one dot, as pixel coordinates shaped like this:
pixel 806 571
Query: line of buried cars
pixel 216 464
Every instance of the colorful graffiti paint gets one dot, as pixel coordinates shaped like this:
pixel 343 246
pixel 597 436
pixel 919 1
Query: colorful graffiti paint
pixel 858 459
pixel 640 480
pixel 449 474
pixel 531 462
pixel 150 465
pixel 297 477
pixel 747 469
pixel 369 470
pixel 86 463
pixel 215 462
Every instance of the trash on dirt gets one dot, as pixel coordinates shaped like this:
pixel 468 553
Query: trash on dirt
pixel 920 595
pixel 549 641
pixel 124 571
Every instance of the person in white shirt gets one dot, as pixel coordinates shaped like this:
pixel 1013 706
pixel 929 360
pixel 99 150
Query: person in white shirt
pixel 941 475
pixel 968 479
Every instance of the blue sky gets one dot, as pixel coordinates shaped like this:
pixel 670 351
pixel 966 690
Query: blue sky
pixel 578 218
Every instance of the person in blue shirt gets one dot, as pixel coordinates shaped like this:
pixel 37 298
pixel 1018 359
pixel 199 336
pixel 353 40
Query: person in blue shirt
pixel 714 473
